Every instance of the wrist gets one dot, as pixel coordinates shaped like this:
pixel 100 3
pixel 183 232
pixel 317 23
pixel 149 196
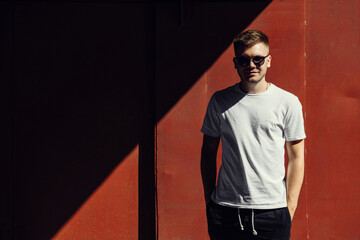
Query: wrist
pixel 292 204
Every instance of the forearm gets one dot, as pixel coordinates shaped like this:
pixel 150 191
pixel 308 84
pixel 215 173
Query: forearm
pixel 294 180
pixel 295 173
pixel 208 173
pixel 208 164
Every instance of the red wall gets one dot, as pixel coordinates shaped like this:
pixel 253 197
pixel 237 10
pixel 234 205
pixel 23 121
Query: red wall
pixel 333 112
pixel 314 45
pixel 76 88
pixel 103 104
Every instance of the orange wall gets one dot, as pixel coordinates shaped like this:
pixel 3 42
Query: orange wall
pixel 76 80
pixel 333 114
pixel 313 45
pixel 107 98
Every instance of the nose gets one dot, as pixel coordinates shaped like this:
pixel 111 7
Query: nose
pixel 252 64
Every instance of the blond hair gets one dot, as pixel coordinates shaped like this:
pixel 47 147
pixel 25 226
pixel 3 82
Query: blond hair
pixel 246 39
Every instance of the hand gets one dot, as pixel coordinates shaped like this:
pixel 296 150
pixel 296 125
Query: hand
pixel 291 211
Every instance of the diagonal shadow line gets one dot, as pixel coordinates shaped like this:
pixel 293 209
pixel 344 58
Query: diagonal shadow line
pixel 73 119
pixel 183 51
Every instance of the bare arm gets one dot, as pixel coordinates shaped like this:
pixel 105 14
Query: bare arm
pixel 208 164
pixel 295 173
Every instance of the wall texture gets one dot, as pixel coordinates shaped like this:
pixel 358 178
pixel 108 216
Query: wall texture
pixel 312 44
pixel 102 105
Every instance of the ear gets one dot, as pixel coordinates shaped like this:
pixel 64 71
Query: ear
pixel 268 61
pixel 235 62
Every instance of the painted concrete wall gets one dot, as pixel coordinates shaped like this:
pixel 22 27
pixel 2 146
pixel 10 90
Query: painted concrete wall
pixel 102 105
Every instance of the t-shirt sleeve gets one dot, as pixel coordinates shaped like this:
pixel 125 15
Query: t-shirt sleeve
pixel 211 125
pixel 294 122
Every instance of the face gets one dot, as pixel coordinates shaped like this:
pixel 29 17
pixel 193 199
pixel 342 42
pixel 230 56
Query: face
pixel 254 70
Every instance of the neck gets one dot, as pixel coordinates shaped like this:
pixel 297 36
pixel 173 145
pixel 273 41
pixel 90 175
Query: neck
pixel 254 88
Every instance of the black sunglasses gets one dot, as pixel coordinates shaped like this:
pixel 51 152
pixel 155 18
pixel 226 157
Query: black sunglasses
pixel 258 60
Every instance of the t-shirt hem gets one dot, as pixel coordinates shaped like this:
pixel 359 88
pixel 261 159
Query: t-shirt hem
pixel 295 138
pixel 252 206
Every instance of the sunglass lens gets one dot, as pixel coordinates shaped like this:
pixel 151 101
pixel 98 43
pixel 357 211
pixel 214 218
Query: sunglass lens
pixel 243 61
pixel 258 60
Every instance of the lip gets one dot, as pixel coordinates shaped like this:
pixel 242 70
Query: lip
pixel 251 73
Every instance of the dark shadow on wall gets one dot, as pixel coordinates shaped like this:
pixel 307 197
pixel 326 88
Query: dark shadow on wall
pixel 185 52
pixel 89 82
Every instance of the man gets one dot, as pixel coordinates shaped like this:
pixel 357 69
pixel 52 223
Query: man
pixel 255 120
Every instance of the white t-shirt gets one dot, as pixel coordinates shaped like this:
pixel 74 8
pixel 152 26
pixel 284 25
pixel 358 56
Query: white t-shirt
pixel 253 130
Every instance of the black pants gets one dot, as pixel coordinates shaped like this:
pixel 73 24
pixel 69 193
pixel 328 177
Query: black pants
pixel 224 223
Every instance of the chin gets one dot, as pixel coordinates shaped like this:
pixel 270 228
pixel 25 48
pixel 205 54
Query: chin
pixel 253 80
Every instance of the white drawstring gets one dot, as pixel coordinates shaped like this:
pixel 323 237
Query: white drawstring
pixel 252 221
pixel 241 226
pixel 253 224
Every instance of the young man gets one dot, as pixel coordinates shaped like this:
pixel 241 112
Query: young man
pixel 255 120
